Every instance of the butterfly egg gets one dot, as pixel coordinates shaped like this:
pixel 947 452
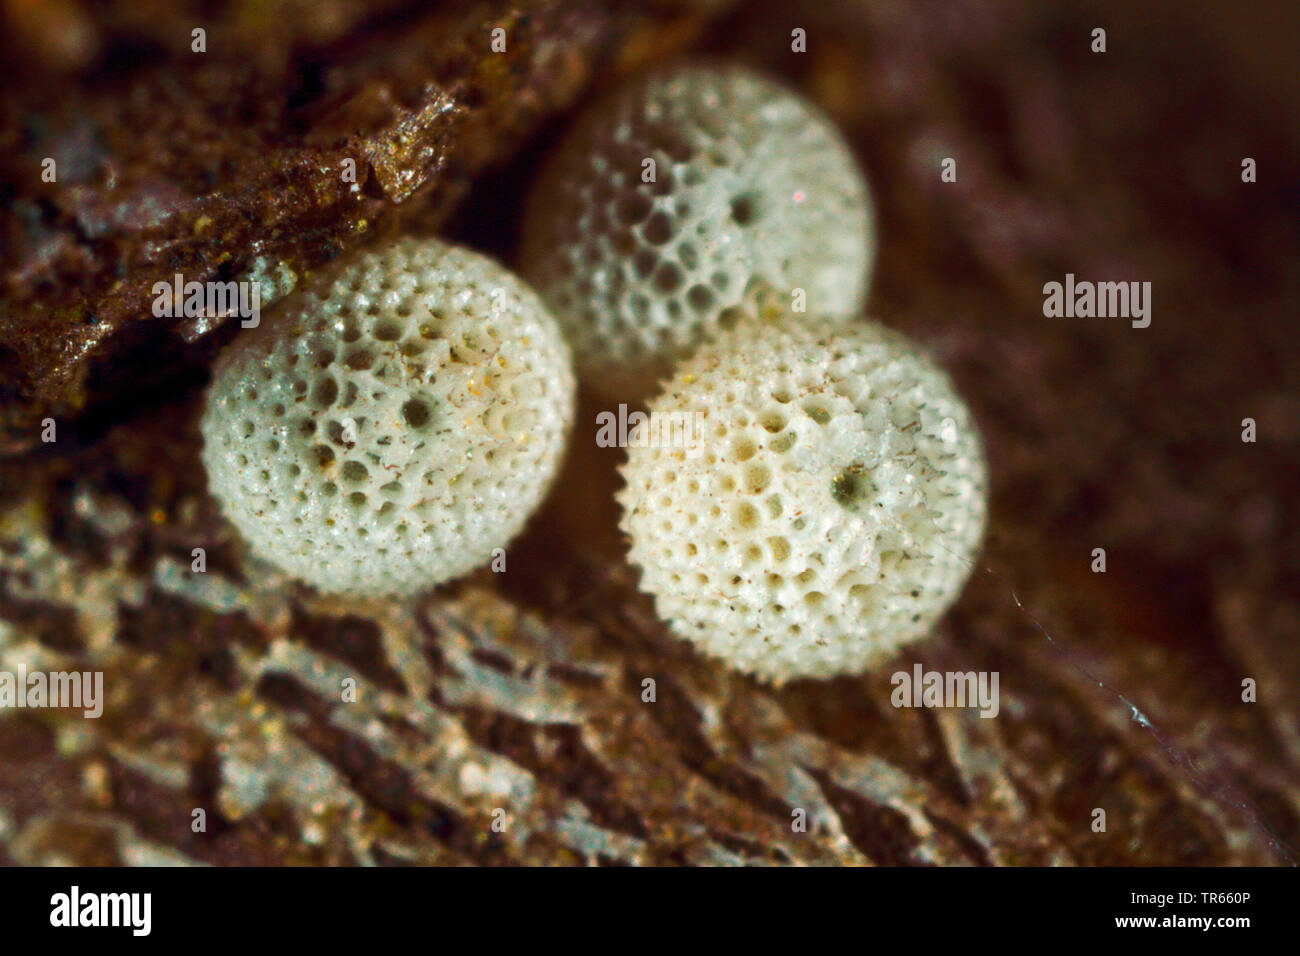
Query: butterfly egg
pixel 395 422
pixel 826 511
pixel 668 203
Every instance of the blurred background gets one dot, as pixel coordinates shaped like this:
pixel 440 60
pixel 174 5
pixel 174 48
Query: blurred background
pixel 522 692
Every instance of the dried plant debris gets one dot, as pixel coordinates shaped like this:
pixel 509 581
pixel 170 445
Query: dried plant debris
pixel 267 154
pixel 543 714
pixel 314 730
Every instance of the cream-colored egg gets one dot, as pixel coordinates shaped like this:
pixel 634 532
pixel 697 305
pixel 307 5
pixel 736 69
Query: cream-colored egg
pixel 670 202
pixel 829 510
pixel 393 423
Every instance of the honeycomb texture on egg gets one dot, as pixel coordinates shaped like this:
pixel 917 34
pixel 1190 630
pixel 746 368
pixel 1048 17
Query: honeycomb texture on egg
pixel 395 422
pixel 752 184
pixel 828 510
